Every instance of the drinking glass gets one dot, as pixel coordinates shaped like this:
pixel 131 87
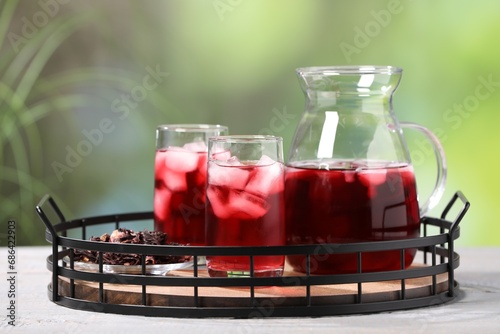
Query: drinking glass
pixel 180 180
pixel 245 203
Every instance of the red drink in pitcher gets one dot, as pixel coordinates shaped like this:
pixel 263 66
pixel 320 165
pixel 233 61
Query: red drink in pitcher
pixel 347 202
pixel 245 207
pixel 179 198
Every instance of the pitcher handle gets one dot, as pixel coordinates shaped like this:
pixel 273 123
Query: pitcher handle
pixel 438 190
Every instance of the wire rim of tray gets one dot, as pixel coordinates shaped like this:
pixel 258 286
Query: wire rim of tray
pixel 443 261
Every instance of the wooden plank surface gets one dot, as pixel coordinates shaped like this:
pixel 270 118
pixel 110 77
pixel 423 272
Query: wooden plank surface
pixel 240 296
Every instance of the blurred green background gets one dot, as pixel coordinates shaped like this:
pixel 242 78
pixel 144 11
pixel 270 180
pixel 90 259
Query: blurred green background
pixel 96 77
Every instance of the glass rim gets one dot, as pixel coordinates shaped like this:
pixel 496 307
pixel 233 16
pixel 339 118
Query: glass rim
pixel 194 127
pixel 347 69
pixel 245 139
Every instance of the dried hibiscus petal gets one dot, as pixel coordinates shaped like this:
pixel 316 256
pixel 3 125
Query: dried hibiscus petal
pixel 123 235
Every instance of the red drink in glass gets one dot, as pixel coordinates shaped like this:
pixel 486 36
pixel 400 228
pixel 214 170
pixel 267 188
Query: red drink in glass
pixel 348 203
pixel 180 181
pixel 245 207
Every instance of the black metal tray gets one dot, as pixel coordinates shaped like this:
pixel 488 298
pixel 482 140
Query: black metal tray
pixel 439 260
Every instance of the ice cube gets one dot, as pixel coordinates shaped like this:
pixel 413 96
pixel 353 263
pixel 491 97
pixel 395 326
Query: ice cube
pixel 201 175
pixel 265 161
pixel 350 176
pixel 176 181
pixel 198 146
pixel 235 175
pixel 160 165
pixel 244 205
pixel 218 202
pixel 220 154
pixel 268 177
pixel 232 161
pixel 181 160
pixel 236 204
pixel 372 177
pixel 162 204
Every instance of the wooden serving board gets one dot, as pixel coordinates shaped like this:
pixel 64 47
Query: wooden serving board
pixel 240 296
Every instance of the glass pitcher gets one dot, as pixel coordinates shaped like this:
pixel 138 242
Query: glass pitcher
pixel 349 176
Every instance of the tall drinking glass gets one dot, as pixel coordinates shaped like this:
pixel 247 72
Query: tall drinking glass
pixel 245 202
pixel 180 180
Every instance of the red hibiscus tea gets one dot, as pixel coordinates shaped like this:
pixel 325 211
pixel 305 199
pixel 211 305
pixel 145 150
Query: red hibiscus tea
pixel 347 203
pixel 179 198
pixel 180 180
pixel 245 207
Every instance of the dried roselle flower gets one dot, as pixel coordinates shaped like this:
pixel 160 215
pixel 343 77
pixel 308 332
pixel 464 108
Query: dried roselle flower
pixel 154 238
pixel 120 235
pixel 123 235
pixel 98 239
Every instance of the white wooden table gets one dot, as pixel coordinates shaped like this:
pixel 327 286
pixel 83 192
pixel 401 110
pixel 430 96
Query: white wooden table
pixel 476 310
